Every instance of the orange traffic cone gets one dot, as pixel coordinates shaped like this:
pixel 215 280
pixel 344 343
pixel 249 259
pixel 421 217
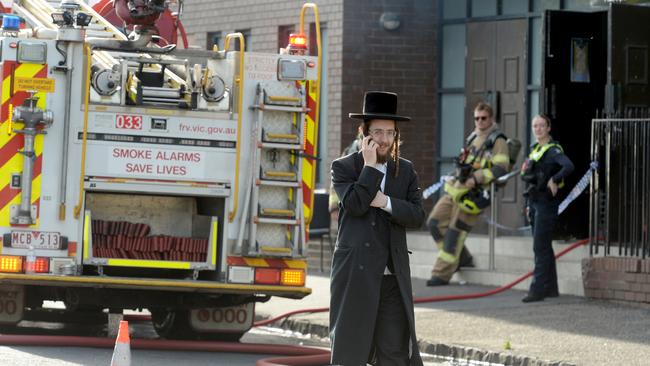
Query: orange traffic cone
pixel 122 351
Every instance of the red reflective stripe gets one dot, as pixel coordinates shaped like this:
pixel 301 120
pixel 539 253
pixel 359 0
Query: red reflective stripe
pixel 10 149
pixel 276 263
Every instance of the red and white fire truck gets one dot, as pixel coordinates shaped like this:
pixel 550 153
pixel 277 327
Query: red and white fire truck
pixel 136 175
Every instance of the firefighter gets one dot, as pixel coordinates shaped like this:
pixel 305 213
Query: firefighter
pixel 371 303
pixel 544 172
pixel 484 159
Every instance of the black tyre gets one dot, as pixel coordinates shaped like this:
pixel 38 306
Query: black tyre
pixel 175 324
pixel 172 324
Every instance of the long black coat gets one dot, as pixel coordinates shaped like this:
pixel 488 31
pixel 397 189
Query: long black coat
pixel 361 255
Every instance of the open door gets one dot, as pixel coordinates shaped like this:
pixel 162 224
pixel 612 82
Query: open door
pixel 573 92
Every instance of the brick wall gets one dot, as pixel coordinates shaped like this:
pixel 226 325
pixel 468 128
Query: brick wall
pixel 613 278
pixel 402 61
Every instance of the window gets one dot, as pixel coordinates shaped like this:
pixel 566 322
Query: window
pixel 213 38
pixel 247 40
pixel 484 8
pixel 453 56
pixel 283 35
pixel 454 9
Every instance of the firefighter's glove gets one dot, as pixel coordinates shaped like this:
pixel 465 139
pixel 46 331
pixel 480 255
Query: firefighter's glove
pixel 456 190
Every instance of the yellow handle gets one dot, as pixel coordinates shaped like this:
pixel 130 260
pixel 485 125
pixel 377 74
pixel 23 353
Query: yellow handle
pixel 10 126
pixel 317 109
pixel 77 208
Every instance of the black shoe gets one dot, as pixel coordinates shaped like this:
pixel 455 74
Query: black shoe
pixel 436 281
pixel 532 297
pixel 552 293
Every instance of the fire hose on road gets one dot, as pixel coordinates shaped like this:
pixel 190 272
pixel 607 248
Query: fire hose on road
pixel 292 355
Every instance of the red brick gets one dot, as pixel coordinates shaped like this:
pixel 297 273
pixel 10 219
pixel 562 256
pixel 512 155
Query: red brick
pixel 629 296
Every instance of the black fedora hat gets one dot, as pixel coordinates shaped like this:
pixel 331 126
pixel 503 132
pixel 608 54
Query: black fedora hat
pixel 379 105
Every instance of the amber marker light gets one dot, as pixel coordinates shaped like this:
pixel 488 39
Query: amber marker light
pixel 293 277
pixel 11 264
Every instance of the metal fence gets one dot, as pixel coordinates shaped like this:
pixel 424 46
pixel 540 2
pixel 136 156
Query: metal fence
pixel 620 189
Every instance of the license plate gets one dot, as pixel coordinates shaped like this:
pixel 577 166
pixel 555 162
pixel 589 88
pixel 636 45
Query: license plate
pixel 223 319
pixel 36 239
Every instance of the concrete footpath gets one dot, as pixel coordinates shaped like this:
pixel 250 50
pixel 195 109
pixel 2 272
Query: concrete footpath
pixel 500 329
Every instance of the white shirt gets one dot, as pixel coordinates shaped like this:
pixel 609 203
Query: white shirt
pixel 382 168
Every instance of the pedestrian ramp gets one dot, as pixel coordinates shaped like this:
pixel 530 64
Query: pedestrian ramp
pixel 513 258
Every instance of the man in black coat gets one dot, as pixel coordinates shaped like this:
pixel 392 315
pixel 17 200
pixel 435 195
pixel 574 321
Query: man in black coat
pixel 371 306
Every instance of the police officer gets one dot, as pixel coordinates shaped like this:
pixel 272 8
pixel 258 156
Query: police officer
pixel 544 172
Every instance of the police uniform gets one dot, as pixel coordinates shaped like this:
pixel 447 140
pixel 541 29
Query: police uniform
pixel 451 220
pixel 545 162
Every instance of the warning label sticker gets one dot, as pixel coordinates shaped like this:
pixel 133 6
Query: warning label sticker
pixel 37 84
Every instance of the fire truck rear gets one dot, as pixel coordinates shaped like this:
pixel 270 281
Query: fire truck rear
pixel 143 177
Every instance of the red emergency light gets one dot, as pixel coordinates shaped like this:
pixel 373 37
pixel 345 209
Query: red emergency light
pixel 297 41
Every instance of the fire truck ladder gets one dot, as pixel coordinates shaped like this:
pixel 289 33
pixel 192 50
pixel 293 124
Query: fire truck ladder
pixel 277 218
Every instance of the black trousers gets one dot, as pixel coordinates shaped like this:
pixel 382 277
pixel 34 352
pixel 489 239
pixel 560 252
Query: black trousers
pixel 391 338
pixel 543 215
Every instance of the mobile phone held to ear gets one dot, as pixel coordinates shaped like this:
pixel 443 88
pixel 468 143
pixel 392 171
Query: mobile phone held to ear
pixel 366 132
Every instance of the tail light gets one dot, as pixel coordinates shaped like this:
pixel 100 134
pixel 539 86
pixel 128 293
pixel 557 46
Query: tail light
pixel 267 276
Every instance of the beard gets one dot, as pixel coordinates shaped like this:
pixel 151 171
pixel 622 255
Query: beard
pixel 383 158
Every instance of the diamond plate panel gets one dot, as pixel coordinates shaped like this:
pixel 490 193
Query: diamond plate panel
pixel 275 197
pixel 277 160
pixel 280 122
pixel 284 90
pixel 272 235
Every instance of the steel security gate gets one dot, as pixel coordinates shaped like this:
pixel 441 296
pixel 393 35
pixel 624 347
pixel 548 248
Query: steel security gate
pixel 620 198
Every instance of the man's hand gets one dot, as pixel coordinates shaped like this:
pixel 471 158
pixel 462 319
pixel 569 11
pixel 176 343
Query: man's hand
pixel 369 151
pixel 380 200
pixel 552 186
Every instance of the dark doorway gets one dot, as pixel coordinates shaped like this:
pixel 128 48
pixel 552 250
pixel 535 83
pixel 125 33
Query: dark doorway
pixel 496 72
pixel 573 92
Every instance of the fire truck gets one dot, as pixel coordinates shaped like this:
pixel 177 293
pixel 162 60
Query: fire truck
pixel 137 175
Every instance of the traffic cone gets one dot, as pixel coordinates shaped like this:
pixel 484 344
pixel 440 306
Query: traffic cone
pixel 122 351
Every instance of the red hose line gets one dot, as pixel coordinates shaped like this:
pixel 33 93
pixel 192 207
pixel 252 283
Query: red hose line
pixel 421 300
pixel 301 355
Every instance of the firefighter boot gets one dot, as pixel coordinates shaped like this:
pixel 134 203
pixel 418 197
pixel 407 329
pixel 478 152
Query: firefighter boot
pixel 447 260
pixel 466 259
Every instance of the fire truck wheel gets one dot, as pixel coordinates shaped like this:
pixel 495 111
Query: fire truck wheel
pixel 172 324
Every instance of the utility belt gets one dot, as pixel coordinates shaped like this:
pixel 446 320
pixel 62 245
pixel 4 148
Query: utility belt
pixel 536 180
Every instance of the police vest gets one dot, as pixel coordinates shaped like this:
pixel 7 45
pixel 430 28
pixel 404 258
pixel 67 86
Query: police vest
pixel 538 153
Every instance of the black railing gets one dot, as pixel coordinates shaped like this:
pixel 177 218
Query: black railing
pixel 620 189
